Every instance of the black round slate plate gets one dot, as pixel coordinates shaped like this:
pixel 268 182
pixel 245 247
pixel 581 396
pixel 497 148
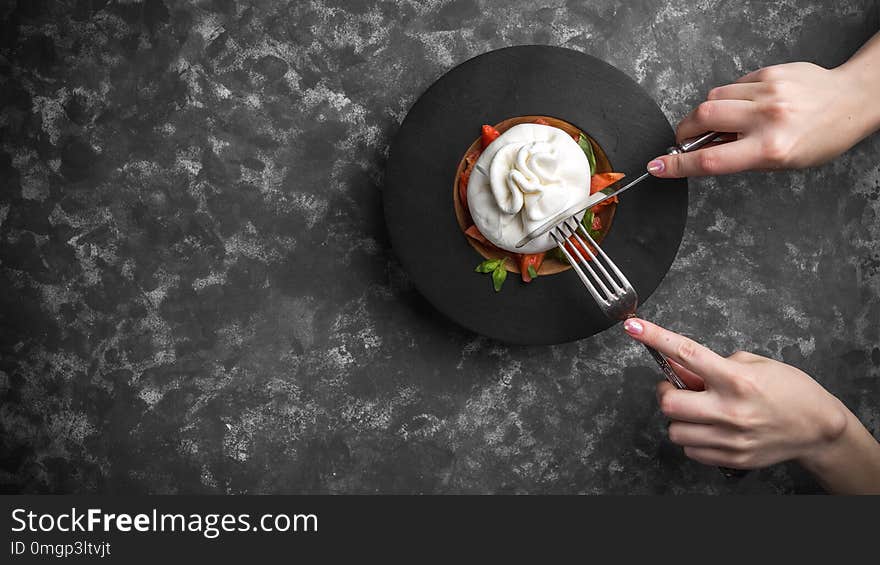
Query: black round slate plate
pixel 518 81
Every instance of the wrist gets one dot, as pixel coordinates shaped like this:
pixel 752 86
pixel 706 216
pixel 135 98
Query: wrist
pixel 859 80
pixel 833 436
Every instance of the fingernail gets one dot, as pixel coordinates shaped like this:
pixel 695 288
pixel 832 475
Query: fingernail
pixel 633 327
pixel 656 166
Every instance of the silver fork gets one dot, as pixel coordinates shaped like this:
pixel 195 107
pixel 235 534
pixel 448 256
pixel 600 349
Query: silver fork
pixel 614 294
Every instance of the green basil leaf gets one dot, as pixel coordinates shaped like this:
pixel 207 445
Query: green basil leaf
pixel 587 220
pixel 499 275
pixel 588 150
pixel 557 254
pixel 532 272
pixel 488 265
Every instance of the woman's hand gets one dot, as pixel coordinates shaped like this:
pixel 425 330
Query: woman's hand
pixel 785 116
pixel 746 411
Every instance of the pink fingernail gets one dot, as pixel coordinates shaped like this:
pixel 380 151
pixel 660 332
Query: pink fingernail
pixel 656 166
pixel 633 327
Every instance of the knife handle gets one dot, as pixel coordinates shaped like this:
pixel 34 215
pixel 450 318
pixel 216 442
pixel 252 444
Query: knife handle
pixel 694 143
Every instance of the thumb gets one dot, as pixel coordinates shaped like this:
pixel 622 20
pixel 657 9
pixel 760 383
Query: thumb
pixel 681 165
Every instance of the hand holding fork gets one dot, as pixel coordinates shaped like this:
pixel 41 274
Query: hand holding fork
pixel 610 289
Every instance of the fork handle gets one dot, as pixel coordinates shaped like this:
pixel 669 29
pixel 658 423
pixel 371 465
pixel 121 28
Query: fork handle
pixel 665 367
pixel 678 383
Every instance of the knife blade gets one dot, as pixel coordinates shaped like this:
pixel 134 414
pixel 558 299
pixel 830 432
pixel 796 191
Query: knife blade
pixel 574 210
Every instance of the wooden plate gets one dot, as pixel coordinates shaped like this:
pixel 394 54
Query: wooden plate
pixel 551 265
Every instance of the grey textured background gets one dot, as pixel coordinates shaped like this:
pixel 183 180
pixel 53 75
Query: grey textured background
pixel 199 294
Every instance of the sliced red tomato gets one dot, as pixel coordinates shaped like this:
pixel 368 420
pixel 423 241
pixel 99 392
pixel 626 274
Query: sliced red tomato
pixel 469 161
pixel 604 203
pixel 474 233
pixel 525 261
pixel 542 121
pixel 603 180
pixel 462 188
pixel 575 244
pixel 597 223
pixel 489 135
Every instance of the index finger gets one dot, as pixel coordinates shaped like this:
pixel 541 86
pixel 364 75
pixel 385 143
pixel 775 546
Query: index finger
pixel 717 115
pixel 759 75
pixel 713 368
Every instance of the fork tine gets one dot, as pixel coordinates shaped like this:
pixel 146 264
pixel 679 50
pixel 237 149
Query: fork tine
pixel 611 280
pixel 620 276
pixel 575 264
pixel 584 261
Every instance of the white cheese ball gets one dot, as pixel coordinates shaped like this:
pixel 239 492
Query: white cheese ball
pixel 532 172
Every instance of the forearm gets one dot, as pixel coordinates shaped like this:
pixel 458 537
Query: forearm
pixel 849 464
pixel 861 78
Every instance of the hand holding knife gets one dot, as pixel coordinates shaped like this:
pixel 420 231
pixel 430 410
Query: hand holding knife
pixel 686 146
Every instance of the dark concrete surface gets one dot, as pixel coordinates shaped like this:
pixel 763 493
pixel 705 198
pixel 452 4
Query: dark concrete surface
pixel 198 293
